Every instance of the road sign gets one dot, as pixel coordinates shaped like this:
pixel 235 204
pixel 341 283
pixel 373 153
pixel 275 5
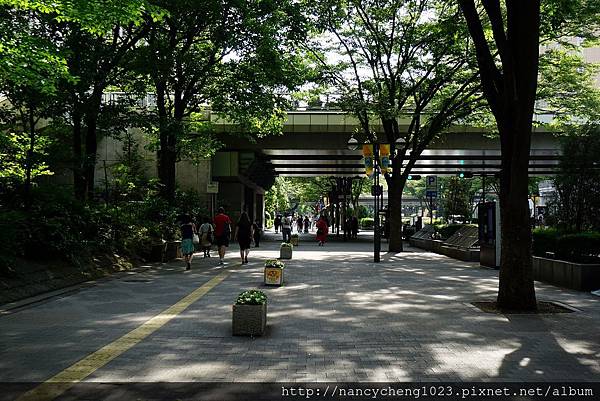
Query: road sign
pixel 431 186
pixel 431 183
pixel 212 187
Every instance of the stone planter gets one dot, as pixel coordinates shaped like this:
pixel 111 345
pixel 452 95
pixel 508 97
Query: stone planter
pixel 294 240
pixel 273 276
pixel 173 250
pixel 577 276
pixel 249 320
pixel 285 252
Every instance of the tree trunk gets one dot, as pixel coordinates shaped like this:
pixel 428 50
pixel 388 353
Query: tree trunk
pixel 516 287
pixel 29 161
pixel 78 178
pixel 395 188
pixel 166 162
pixel 91 151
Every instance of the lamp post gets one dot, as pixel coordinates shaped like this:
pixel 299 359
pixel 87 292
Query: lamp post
pixel 377 190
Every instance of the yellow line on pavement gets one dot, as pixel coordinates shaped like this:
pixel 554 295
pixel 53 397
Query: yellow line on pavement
pixel 66 379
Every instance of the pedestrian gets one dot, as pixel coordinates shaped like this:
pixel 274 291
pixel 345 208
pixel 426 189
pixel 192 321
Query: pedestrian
pixel 277 223
pixel 243 235
pixel 306 224
pixel 206 234
pixel 299 223
pixel 322 230
pixel 188 229
pixel 222 232
pixel 354 227
pixel 286 228
pixel 257 231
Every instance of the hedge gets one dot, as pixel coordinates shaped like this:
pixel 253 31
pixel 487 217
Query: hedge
pixel 581 247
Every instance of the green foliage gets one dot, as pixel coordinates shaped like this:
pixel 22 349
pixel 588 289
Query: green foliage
pixel 277 197
pixel 14 148
pixel 251 297
pixel 13 232
pixel 274 263
pixel 457 198
pixel 286 245
pixel 576 203
pixel 362 211
pixel 582 247
pixel 567 88
pixel 367 222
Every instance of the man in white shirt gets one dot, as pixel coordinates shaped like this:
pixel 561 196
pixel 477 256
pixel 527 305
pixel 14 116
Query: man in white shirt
pixel 286 228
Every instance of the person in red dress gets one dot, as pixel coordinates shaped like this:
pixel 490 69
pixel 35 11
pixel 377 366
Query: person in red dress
pixel 322 230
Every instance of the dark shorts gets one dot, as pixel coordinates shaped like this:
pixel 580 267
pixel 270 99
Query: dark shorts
pixel 222 240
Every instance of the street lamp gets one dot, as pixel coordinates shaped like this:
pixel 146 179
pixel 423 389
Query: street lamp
pixel 376 192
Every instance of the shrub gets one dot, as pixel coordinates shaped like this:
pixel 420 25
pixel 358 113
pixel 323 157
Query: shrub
pixel 251 297
pixel 286 245
pixel 13 233
pixel 274 263
pixel 544 240
pixel 581 247
pixel 367 222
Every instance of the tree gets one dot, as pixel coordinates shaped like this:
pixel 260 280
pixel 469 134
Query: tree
pixel 232 55
pixel 276 198
pixel 75 49
pixel 576 206
pixel 509 65
pixel 457 198
pixel 394 61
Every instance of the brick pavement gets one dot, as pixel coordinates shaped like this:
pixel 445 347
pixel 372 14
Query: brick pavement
pixel 339 317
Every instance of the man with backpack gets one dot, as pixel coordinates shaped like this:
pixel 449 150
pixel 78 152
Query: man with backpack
pixel 222 232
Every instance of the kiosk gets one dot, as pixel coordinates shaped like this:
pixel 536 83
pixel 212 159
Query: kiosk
pixel 489 234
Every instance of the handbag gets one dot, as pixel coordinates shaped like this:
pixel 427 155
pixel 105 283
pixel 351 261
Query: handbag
pixel 196 239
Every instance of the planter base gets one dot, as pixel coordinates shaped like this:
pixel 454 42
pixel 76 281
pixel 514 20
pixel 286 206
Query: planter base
pixel 273 276
pixel 249 320
pixel 285 252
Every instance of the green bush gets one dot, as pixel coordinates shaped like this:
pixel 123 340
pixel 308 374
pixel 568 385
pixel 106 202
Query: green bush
pixel 13 232
pixel 251 297
pixel 581 247
pixel 544 240
pixel 367 222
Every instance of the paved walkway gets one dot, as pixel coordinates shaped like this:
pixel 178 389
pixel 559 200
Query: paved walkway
pixel 339 317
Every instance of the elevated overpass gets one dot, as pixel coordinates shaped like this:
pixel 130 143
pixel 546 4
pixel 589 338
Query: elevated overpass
pixel 314 143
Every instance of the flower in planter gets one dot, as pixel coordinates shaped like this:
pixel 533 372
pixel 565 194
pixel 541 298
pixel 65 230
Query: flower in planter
pixel 274 263
pixel 294 235
pixel 286 245
pixel 251 297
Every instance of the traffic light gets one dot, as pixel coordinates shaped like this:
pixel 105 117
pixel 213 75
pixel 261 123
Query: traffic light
pixel 464 174
pixel 414 177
